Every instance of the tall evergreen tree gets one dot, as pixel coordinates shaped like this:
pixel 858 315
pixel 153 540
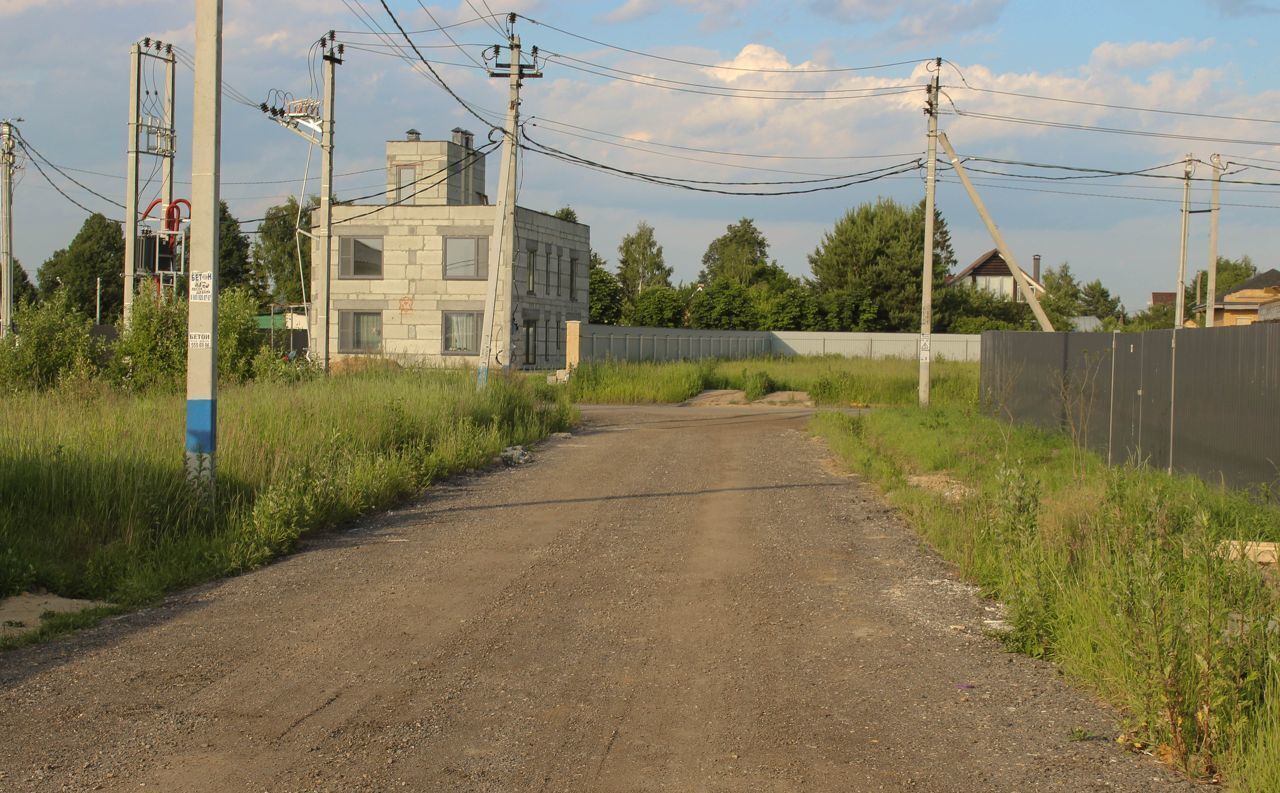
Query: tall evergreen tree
pixel 235 267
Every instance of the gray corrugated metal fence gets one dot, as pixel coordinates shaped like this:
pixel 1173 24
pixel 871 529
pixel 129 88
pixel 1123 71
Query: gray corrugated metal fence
pixel 1201 401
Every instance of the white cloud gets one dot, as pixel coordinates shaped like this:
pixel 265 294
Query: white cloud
pixel 1139 54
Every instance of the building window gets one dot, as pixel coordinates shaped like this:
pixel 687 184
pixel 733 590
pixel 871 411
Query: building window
pixel 547 250
pixel 466 257
pixel 461 332
pixel 530 341
pixel 359 331
pixel 406 177
pixel 531 264
pixel 559 271
pixel 360 257
pixel 573 277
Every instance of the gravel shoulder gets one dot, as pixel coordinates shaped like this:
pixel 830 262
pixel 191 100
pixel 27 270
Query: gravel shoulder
pixel 673 599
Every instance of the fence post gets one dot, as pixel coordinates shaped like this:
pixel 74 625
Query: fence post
pixel 1111 404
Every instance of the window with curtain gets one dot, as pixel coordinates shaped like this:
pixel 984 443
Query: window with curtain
pixel 461 332
pixel 359 331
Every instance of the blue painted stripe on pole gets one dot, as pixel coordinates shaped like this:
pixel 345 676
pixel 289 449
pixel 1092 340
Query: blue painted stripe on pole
pixel 202 425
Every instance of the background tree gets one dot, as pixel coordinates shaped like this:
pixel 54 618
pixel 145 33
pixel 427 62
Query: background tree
pixel 1061 300
pixel 23 290
pixel 605 294
pixel 566 213
pixel 1097 301
pixel 235 268
pixel 722 305
pixel 1231 273
pixel 97 251
pixel 966 309
pixel 790 305
pixel 740 255
pixel 657 307
pixel 640 263
pixel 867 269
pixel 275 251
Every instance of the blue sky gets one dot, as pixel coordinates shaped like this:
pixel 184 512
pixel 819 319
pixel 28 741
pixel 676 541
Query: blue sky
pixel 66 73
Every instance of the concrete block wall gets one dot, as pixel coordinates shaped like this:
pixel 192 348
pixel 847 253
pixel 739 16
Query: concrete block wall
pixel 609 342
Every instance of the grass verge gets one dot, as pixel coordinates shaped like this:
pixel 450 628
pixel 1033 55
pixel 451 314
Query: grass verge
pixel 829 379
pixel 1113 573
pixel 94 502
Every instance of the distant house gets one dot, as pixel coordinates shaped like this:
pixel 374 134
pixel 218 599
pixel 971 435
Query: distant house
pixel 1248 302
pixel 1163 298
pixel 990 272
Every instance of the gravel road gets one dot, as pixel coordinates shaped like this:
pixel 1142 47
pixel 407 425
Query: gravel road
pixel 674 599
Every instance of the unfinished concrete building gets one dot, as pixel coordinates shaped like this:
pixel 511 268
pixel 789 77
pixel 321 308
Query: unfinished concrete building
pixel 409 273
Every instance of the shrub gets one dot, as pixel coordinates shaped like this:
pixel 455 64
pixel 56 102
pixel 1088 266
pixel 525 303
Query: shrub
pixel 152 350
pixel 239 339
pixel 52 339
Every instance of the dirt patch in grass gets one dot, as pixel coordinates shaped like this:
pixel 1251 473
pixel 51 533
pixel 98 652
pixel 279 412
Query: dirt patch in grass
pixel 730 396
pixel 27 612
pixel 945 486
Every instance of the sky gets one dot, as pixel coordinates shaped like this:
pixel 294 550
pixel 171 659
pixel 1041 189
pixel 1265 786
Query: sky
pixel 773 91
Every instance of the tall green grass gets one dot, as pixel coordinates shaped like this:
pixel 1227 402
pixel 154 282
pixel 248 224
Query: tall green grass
pixel 829 379
pixel 94 501
pixel 1114 573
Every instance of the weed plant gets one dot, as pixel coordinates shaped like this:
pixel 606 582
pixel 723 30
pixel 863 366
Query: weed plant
pixel 829 379
pixel 1116 574
pixel 94 501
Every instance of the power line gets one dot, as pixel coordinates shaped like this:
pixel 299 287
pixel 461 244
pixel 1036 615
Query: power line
pixel 61 192
pixel 424 30
pixel 449 35
pixel 31 150
pixel 988 183
pixel 461 163
pixel 713 66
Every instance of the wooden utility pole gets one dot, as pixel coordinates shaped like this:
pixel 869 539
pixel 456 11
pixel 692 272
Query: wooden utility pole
pixel 1181 297
pixel 8 162
pixel 930 191
pixel 1019 277
pixel 502 247
pixel 324 234
pixel 1211 298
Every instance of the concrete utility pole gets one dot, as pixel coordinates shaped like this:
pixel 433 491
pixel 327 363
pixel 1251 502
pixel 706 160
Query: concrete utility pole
pixel 150 135
pixel 504 227
pixel 1181 297
pixel 8 162
pixel 131 183
pixel 1211 298
pixel 202 322
pixel 1019 277
pixel 324 234
pixel 930 190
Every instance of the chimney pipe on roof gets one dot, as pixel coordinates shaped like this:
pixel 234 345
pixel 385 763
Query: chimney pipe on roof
pixel 464 138
pixel 413 135
pixel 1035 267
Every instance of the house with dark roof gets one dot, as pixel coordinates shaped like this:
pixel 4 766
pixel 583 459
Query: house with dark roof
pixel 1246 302
pixel 990 272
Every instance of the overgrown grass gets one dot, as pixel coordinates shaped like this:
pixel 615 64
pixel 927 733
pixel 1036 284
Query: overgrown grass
pixel 94 501
pixel 1114 573
pixel 830 380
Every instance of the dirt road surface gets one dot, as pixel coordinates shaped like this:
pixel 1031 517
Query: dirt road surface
pixel 674 599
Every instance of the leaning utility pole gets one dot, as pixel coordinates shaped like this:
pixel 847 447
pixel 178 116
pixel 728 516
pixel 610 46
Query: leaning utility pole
pixel 1181 297
pixel 323 235
pixel 151 135
pixel 930 190
pixel 8 162
pixel 504 226
pixel 202 297
pixel 1019 277
pixel 1211 294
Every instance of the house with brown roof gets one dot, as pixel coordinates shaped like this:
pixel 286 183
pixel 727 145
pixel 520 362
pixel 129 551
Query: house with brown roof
pixel 1246 302
pixel 990 272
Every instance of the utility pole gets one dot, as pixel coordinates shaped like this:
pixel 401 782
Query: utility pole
pixel 1181 296
pixel 150 135
pixel 930 190
pixel 202 321
pixel 1019 277
pixel 324 234
pixel 1211 298
pixel 503 247
pixel 8 162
